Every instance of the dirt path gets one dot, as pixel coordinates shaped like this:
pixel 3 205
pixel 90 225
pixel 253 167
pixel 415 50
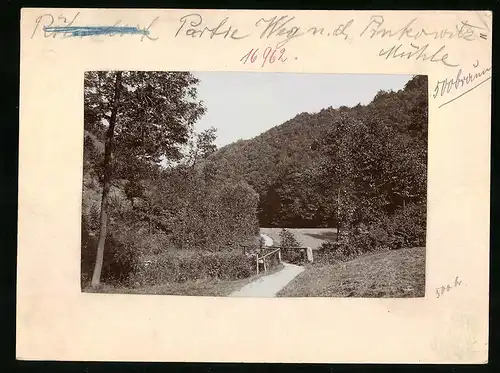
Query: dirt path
pixel 268 286
pixel 268 241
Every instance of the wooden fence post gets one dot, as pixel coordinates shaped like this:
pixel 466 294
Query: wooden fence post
pixel 279 255
pixel 309 254
pixel 257 259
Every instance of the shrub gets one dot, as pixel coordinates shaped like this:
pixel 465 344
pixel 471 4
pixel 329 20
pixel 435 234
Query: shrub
pixel 288 239
pixel 335 251
pixel 408 226
pixel 181 266
pixel 293 256
pixel 403 229
pixel 119 262
pixel 151 244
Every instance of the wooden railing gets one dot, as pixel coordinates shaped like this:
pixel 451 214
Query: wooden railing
pixel 277 249
pixel 262 259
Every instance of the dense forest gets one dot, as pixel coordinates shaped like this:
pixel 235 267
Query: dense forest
pixel 157 192
pixel 299 167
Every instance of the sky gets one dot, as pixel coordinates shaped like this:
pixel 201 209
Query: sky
pixel 242 105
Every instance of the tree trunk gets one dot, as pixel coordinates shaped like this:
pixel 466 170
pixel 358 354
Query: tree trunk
pixel 108 151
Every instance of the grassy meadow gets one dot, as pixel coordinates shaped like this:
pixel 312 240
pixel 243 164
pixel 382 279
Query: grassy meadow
pixel 395 274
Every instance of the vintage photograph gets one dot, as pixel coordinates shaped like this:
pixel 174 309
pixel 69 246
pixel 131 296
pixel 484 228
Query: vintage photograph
pixel 249 184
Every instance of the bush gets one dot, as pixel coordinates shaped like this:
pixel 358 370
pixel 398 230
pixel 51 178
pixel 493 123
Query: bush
pixel 408 226
pixel 119 262
pixel 292 256
pixel 335 251
pixel 288 239
pixel 151 244
pixel 405 228
pixel 181 266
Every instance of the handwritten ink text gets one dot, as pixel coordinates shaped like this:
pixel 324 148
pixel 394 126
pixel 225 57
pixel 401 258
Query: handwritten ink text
pixel 48 20
pixel 197 29
pixel 269 55
pixel 417 53
pixel 445 86
pixel 464 31
pixel 283 27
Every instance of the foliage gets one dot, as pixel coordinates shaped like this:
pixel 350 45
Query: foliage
pixel 160 111
pixel 378 167
pixel 296 199
pixel 204 214
pixel 288 240
pixel 185 265
pixel 202 146
pixel 335 251
pixel 154 126
pixel 120 258
pixel 405 228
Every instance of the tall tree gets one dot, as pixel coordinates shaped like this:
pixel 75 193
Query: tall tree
pixel 148 115
pixel 205 143
pixel 339 169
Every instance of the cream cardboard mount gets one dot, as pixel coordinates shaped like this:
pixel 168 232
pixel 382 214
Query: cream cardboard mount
pixel 56 321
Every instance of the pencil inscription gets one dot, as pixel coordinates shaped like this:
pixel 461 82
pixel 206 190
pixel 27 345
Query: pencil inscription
pixel 440 291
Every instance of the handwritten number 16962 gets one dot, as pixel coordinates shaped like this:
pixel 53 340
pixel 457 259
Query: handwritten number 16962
pixel 269 55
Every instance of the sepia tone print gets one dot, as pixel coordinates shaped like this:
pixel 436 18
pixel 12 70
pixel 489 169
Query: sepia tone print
pixel 254 184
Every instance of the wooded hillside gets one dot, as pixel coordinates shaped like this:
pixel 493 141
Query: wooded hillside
pixel 287 165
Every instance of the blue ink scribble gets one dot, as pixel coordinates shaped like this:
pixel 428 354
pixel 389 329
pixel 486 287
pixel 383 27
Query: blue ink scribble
pixel 96 30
